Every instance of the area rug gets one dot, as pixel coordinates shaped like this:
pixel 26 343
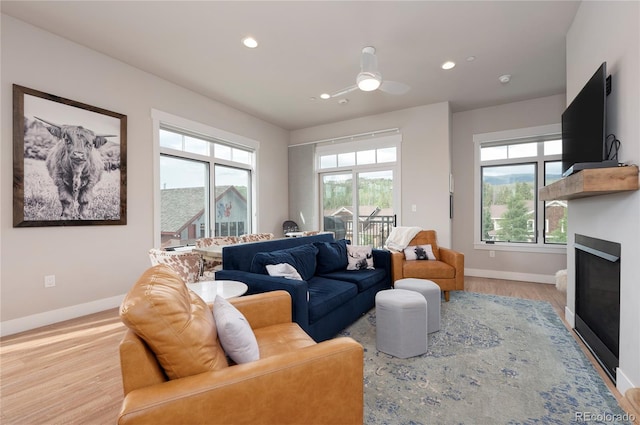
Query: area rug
pixel 496 360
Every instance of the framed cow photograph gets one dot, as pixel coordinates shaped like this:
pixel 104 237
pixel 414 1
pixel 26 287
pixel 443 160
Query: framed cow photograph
pixel 69 162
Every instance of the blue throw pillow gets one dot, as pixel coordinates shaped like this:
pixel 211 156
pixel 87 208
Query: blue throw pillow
pixel 302 257
pixel 332 256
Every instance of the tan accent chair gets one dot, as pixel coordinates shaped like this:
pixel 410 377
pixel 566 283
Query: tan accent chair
pixel 295 381
pixel 447 271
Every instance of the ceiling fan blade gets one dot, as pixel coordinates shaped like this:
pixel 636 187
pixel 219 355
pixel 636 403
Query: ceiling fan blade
pixel 394 87
pixel 344 91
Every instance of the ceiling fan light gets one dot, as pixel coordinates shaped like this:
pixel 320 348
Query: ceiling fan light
pixel 368 81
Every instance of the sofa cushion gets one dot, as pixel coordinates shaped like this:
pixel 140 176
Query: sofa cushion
pixel 325 295
pixel 236 336
pixel 364 279
pixel 332 256
pixel 174 322
pixel 302 258
pixel 428 270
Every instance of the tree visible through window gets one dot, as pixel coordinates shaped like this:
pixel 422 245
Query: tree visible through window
pixel 510 178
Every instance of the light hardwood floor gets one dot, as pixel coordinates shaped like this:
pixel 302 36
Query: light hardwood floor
pixel 69 373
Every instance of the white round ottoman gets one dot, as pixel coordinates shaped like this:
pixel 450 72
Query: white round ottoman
pixel 401 323
pixel 431 292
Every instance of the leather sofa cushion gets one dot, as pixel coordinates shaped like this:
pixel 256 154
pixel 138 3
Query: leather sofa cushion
pixel 175 323
pixel 325 295
pixel 281 338
pixel 302 258
pixel 428 270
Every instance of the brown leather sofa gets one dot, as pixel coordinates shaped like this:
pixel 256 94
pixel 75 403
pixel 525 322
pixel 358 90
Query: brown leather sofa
pixel 295 380
pixel 447 271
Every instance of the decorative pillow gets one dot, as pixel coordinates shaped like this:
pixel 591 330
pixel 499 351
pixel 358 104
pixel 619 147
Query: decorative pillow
pixel 419 252
pixel 302 258
pixel 236 336
pixel 283 270
pixel 359 257
pixel 174 322
pixel 332 256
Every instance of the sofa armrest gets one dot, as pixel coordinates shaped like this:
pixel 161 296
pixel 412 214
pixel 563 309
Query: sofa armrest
pixel 259 283
pixel 322 383
pixel 397 261
pixel 265 309
pixel 382 260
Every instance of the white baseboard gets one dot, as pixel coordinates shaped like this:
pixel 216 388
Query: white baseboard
pixel 623 383
pixel 525 277
pixel 10 327
pixel 570 317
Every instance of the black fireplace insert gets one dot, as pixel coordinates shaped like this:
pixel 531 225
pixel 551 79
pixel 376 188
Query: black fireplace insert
pixel 598 299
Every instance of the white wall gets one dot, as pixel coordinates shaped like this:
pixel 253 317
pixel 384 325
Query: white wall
pixel 539 267
pixel 95 265
pixel 426 160
pixel 610 31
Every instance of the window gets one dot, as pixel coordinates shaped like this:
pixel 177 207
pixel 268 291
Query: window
pixel 205 182
pixel 510 168
pixel 359 184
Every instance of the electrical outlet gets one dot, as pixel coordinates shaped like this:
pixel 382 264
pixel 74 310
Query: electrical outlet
pixel 49 281
pixel 414 208
pixel 492 254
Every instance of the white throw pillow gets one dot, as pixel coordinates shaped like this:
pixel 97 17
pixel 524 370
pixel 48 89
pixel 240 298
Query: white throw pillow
pixel 359 257
pixel 235 333
pixel 283 270
pixel 419 252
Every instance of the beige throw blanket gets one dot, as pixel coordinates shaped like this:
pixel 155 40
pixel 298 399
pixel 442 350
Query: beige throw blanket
pixel 400 237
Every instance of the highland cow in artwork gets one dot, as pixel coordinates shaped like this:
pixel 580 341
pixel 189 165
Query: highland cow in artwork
pixel 75 166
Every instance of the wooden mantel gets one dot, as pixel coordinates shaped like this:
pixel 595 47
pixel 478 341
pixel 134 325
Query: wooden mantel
pixel 599 181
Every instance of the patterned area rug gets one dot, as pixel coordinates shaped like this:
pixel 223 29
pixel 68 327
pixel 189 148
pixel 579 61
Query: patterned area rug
pixel 496 360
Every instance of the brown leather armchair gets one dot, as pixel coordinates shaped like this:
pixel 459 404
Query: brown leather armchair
pixel 295 380
pixel 447 271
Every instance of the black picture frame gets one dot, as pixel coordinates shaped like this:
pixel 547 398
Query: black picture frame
pixel 69 162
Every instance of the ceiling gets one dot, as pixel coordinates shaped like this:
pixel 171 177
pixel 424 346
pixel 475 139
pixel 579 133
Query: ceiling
pixel 310 47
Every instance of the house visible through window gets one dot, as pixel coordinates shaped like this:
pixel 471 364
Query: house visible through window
pixel 510 171
pixel 205 186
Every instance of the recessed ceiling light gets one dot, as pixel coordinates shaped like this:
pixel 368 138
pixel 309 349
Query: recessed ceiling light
pixel 250 42
pixel 325 96
pixel 448 65
pixel 504 79
pixel 471 58
pixel 343 101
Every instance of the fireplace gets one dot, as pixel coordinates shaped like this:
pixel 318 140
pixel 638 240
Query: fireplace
pixel 598 299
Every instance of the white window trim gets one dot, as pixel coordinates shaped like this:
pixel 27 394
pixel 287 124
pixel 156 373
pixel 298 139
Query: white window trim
pixel 483 138
pixel 160 118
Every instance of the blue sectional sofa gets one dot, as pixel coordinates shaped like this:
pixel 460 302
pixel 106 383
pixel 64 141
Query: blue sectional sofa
pixel 329 298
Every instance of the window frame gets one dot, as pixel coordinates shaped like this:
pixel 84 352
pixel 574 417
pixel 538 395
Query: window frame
pixel 355 146
pixel 166 121
pixel 523 135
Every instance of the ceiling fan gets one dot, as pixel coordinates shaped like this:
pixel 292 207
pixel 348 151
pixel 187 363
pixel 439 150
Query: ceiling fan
pixel 370 79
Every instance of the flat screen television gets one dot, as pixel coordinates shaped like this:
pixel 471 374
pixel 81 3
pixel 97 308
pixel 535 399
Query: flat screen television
pixel 584 127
